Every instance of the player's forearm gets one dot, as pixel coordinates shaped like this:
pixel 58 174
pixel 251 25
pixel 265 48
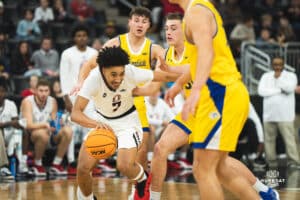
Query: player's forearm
pixel 34 126
pixel 80 118
pixel 84 72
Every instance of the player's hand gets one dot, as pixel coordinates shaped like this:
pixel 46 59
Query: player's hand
pixel 76 89
pixel 189 106
pixel 102 125
pixel 162 64
pixel 171 94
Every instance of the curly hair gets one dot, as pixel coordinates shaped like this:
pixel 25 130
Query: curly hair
pixel 112 56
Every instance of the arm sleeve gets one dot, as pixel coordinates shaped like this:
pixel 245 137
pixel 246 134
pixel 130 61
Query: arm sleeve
pixel 288 82
pixel 139 76
pixel 264 90
pixel 259 129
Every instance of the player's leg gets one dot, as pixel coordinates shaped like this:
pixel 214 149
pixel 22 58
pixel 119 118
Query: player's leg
pixel 143 150
pixel 127 165
pixel 85 165
pixel 172 138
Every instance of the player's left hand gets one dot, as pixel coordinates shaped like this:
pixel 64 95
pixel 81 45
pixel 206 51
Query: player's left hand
pixel 189 106
pixel 162 64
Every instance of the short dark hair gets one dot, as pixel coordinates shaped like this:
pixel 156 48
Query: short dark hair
pixel 112 56
pixel 43 82
pixel 78 28
pixel 174 16
pixel 140 11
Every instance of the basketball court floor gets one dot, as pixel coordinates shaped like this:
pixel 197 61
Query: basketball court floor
pixel 111 186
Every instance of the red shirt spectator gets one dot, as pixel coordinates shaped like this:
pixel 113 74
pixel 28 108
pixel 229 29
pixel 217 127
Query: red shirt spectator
pixel 81 8
pixel 170 7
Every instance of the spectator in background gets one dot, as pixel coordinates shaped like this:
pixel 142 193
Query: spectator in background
pixel 265 37
pixel 28 29
pixel 270 7
pixel 46 59
pixel 12 129
pixel 97 44
pixel 277 88
pixel 5 21
pixel 156 13
pixel 5 173
pixel 32 86
pixel 293 13
pixel 266 21
pixel 58 95
pixel 110 31
pixel 43 13
pixel 244 31
pixel 60 13
pixel 231 13
pixel 83 12
pixel 285 32
pixel 40 111
pixel 20 61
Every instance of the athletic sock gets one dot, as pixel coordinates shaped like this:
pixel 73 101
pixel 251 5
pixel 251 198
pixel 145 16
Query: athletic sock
pixel 155 195
pixel 260 187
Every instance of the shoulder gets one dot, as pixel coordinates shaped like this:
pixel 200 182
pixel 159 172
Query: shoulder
pixel 68 51
pixel 112 42
pixel 157 50
pixel 10 103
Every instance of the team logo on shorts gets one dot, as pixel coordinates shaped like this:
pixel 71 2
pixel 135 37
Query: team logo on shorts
pixel 104 95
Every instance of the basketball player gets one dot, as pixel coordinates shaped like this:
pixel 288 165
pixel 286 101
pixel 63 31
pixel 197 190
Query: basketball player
pixel 72 60
pixel 141 52
pixel 178 54
pixel 38 110
pixel 110 87
pixel 217 90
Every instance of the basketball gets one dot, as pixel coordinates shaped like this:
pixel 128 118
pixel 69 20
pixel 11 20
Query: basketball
pixel 101 143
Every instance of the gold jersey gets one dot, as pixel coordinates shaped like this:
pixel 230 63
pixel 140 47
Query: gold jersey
pixel 183 60
pixel 224 70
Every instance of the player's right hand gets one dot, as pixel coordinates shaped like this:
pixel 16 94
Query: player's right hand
pixel 162 64
pixel 102 125
pixel 171 94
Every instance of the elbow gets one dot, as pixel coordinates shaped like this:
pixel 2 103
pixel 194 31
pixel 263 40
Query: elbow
pixel 73 116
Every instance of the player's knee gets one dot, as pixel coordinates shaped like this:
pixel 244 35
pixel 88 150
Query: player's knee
pixel 160 150
pixel 68 133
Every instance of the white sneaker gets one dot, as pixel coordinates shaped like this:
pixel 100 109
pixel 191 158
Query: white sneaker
pixel 5 174
pixel 105 167
pixel 22 169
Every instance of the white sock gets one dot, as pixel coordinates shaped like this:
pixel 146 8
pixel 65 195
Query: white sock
pixel 260 187
pixel 155 195
pixel 24 158
pixel 38 162
pixel 57 160
pixel 150 155
pixel 80 195
pixel 171 157
pixel 182 155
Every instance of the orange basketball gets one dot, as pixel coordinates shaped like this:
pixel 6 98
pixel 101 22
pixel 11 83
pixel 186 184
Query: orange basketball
pixel 101 143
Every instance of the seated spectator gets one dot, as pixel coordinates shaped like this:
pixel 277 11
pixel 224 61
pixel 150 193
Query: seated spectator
pixel 32 86
pixel 46 59
pixel 43 13
pixel 231 13
pixel 265 37
pixel 58 95
pixel 277 88
pixel 97 44
pixel 5 21
pixel 110 31
pixel 266 21
pixel 5 173
pixel 40 112
pixel 28 29
pixel 83 12
pixel 20 63
pixel 12 128
pixel 244 31
pixel 285 32
pixel 293 13
pixel 60 13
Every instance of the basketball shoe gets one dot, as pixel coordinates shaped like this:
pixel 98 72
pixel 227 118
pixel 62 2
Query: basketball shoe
pixel 72 170
pixel 184 164
pixel 37 170
pixel 106 167
pixel 57 170
pixel 271 194
pixel 142 189
pixel 5 174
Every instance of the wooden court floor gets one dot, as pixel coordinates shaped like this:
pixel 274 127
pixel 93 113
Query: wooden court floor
pixel 104 189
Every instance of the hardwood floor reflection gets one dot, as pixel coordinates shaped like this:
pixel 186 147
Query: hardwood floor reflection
pixel 105 189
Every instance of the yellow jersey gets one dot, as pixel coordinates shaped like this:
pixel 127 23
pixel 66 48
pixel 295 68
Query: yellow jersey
pixel 183 60
pixel 141 59
pixel 224 70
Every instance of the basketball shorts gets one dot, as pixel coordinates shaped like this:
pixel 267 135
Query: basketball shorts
pixel 220 116
pixel 140 105
pixel 127 129
pixel 185 126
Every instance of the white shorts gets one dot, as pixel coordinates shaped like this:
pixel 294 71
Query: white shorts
pixel 128 130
